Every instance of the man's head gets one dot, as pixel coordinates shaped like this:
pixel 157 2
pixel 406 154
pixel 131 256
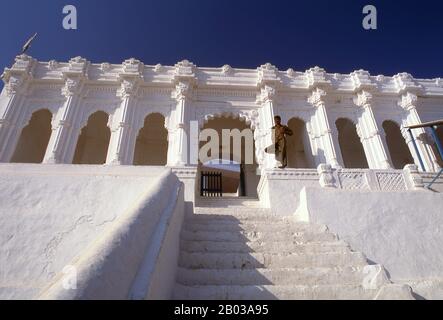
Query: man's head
pixel 277 120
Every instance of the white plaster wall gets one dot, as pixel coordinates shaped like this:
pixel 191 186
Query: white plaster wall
pixel 50 213
pixel 279 190
pixel 400 230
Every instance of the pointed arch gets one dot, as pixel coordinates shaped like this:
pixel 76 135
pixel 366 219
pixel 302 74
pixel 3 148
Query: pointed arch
pixel 34 138
pixel 350 145
pixel 299 148
pixel 93 142
pixel 151 146
pixel 398 149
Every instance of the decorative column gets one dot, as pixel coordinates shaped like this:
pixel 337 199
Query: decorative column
pixel 12 99
pixel 178 147
pixel 408 102
pixel 179 124
pixel 122 142
pixel 370 135
pixel 264 134
pixel 56 151
pixel 120 151
pixel 323 131
pixel 268 81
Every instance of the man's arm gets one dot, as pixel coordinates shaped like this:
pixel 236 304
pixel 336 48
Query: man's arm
pixel 288 131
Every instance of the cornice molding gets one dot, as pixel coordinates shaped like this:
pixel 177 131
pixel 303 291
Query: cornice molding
pixel 26 69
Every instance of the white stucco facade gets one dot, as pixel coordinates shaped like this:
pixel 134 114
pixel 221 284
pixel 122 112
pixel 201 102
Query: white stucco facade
pixel 127 93
pixel 352 167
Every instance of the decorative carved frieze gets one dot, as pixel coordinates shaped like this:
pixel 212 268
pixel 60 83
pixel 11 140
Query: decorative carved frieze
pixel 53 65
pixel 79 65
pixel 408 101
pixel 317 97
pixel 414 177
pixel 326 178
pixel 71 87
pixel 227 70
pixel 185 71
pixel 405 82
pixel 363 99
pixel 133 66
pixel 290 72
pixel 316 77
pixel 158 68
pixel 268 75
pixel 267 93
pixel 183 90
pixel 127 88
pixel 105 66
pixel 361 80
pixel 13 86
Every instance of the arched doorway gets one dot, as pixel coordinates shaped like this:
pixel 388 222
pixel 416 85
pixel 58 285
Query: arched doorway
pixel 238 167
pixel 34 138
pixel 299 147
pixel 93 142
pixel 350 145
pixel 398 149
pixel 151 147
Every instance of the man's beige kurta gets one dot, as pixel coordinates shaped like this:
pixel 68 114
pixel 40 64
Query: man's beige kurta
pixel 279 133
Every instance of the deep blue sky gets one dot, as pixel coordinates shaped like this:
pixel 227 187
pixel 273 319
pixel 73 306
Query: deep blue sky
pixel 296 34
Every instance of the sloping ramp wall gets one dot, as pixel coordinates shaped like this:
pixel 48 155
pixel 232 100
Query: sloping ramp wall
pixel 92 224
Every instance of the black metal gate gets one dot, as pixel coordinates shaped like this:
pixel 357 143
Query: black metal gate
pixel 211 184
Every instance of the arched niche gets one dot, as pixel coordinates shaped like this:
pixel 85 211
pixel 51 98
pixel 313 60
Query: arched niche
pixel 298 145
pixel 398 149
pixel 93 142
pixel 34 138
pixel 352 150
pixel 151 147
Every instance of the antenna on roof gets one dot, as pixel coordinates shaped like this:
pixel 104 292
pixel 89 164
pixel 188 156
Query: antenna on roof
pixel 28 43
pixel 25 48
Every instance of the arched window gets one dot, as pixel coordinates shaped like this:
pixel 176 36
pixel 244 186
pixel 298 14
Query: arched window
pixel 34 139
pixel 299 149
pixel 350 145
pixel 93 143
pixel 398 149
pixel 151 147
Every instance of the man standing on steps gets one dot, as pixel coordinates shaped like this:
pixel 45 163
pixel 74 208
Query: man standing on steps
pixel 279 133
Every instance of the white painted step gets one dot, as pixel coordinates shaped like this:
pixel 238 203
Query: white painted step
pixel 198 260
pixel 214 202
pixel 266 246
pixel 284 276
pixel 273 292
pixel 233 226
pixel 247 236
pixel 240 212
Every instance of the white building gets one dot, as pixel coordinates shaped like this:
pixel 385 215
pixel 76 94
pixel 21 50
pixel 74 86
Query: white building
pixel 349 141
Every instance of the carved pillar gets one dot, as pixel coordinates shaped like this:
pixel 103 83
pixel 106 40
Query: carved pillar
pixel 370 135
pixel 409 102
pixel 12 101
pixel 326 141
pixel 178 134
pixel 11 108
pixel 264 136
pixel 120 151
pixel 57 150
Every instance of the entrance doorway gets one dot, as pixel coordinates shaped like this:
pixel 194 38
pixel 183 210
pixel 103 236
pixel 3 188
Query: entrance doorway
pixel 238 170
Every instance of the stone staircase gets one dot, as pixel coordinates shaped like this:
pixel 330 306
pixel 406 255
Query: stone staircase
pixel 234 249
